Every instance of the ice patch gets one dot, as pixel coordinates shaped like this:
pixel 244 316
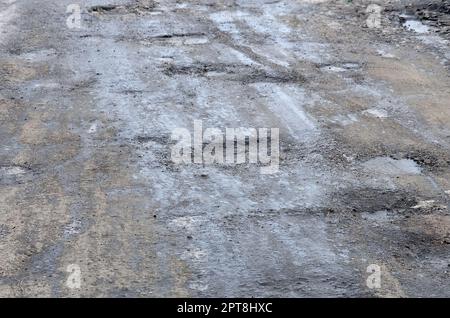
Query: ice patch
pixel 39 55
pixel 11 171
pixel 288 106
pixel 374 112
pixel 244 59
pixel 73 228
pixel 195 254
pixel 188 223
pixel 333 69
pixel 344 120
pixel 7 15
pixel 376 216
pixel 199 287
pixel 196 40
pixel 386 55
pixel 429 204
pixel 387 165
pixel 416 26
pixel 93 128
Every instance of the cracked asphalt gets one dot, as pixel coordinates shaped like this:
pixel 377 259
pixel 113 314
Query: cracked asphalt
pixel 87 180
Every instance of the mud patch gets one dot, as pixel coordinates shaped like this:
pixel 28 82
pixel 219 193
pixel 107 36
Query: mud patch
pixel 16 72
pixel 234 72
pixel 162 140
pixel 416 237
pixel 372 200
pixel 140 7
pixel 430 160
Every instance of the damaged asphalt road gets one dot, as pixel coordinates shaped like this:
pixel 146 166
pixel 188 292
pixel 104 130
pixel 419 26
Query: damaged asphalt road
pixel 88 188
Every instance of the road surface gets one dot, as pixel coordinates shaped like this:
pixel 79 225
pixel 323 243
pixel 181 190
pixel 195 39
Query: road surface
pixel 91 204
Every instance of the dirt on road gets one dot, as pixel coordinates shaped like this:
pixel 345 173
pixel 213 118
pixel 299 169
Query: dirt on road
pixel 92 205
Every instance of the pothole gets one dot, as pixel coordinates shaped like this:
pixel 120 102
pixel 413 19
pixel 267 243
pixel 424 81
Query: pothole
pixel 190 38
pixel 423 18
pixel 241 73
pixel 371 200
pixel 412 24
pixel 139 7
pixel 429 159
